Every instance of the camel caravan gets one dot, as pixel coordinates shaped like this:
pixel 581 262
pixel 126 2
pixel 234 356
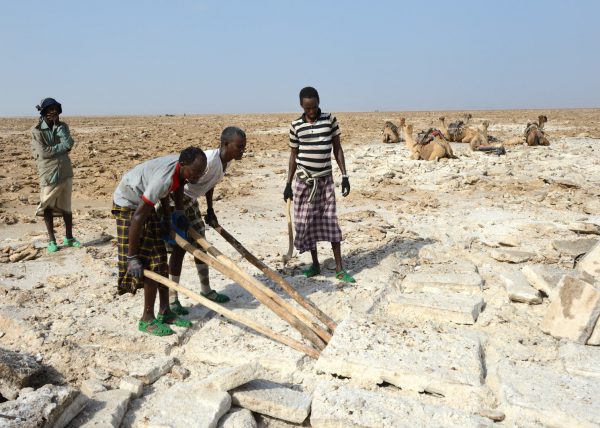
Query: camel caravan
pixel 434 144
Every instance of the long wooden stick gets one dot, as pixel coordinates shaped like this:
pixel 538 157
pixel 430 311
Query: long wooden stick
pixel 304 330
pixel 233 316
pixel 274 276
pixel 213 251
pixel 287 257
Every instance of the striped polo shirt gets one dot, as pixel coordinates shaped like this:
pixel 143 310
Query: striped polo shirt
pixel 313 141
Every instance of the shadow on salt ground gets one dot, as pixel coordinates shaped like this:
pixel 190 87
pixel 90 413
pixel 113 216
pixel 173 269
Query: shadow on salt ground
pixel 355 261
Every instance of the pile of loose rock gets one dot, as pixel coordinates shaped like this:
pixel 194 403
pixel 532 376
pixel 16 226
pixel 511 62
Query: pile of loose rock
pixel 21 253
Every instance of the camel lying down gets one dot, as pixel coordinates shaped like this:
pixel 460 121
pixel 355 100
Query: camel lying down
pixel 534 134
pixel 390 133
pixel 435 147
pixel 481 142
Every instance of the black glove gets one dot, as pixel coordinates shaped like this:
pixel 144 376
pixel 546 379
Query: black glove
pixel 287 193
pixel 211 218
pixel 135 267
pixel 345 186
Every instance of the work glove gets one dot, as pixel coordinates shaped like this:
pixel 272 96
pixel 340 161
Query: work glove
pixel 180 223
pixel 135 267
pixel 211 218
pixel 287 193
pixel 345 186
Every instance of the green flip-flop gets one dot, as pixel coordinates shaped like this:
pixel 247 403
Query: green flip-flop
pixel 52 247
pixel 172 318
pixel 178 309
pixel 344 277
pixel 213 296
pixel 154 327
pixel 71 242
pixel 311 271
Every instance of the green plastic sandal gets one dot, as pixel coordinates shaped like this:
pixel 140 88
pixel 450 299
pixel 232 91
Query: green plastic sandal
pixel 71 242
pixel 213 296
pixel 311 271
pixel 154 327
pixel 172 318
pixel 52 247
pixel 176 307
pixel 344 277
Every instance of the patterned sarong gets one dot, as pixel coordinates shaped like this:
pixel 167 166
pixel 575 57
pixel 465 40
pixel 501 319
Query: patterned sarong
pixel 152 248
pixel 317 221
pixel 192 212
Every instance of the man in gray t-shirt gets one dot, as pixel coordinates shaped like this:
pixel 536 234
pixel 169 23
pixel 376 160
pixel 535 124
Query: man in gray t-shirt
pixel 139 234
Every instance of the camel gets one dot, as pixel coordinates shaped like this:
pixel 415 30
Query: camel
pixel 458 131
pixel 390 133
pixel 534 134
pixel 435 149
pixel 480 142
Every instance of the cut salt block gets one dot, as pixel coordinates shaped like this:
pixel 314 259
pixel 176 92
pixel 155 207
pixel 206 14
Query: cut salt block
pixel 574 312
pixel 590 263
pixel 273 399
pixel 512 256
pixel 421 356
pixel 469 282
pixel 544 278
pixel 231 377
pixel 452 307
pixel 518 288
pixel 532 392
pixel 344 406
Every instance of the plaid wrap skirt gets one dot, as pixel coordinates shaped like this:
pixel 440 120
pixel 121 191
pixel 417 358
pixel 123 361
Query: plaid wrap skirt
pixel 152 248
pixel 317 221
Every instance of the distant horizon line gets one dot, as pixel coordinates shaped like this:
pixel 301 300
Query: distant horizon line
pixel 296 112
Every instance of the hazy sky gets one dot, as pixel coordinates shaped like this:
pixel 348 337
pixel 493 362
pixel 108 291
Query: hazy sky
pixel 169 56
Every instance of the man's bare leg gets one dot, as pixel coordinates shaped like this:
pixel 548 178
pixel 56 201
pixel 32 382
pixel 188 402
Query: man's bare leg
pixel 49 220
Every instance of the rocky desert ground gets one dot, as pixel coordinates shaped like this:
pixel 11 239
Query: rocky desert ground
pixel 471 306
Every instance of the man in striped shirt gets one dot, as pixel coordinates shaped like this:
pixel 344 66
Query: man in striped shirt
pixel 313 136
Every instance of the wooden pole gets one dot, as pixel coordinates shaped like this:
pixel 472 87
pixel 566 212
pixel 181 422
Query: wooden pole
pixel 213 251
pixel 249 286
pixel 274 276
pixel 287 257
pixel 233 316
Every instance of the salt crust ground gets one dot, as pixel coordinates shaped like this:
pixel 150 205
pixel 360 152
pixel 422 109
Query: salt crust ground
pixel 402 217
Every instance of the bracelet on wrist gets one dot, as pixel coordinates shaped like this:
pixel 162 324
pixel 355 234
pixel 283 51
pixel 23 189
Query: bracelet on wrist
pixel 132 257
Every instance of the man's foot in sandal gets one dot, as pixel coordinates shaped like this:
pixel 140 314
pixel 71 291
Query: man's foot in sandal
pixel 71 242
pixel 311 271
pixel 176 307
pixel 52 247
pixel 345 277
pixel 154 327
pixel 172 318
pixel 216 297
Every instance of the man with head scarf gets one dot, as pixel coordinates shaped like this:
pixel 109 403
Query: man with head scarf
pixel 51 143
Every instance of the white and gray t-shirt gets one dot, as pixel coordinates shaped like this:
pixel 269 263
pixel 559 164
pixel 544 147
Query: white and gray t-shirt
pixel 214 174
